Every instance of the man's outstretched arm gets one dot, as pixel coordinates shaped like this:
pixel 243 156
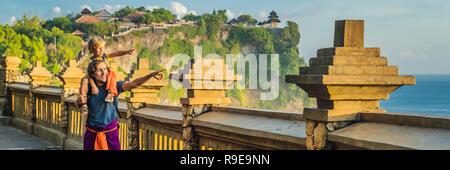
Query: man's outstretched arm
pixel 139 81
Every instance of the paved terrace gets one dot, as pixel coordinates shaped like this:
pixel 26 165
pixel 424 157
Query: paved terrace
pixel 12 138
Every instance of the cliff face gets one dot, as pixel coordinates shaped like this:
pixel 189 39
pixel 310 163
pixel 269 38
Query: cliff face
pixel 153 40
pixel 150 40
pixel 162 45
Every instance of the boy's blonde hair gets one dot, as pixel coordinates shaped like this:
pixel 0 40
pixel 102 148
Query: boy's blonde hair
pixel 95 43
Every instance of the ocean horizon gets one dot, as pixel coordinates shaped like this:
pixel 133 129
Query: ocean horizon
pixel 430 96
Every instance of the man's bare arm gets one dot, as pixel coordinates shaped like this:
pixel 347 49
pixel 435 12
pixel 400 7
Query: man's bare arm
pixel 82 97
pixel 139 81
pixel 93 86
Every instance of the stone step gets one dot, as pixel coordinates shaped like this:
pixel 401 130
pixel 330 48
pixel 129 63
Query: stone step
pixel 192 93
pixel 351 70
pixel 348 51
pixel 349 60
pixel 351 80
pixel 4 120
pixel 203 100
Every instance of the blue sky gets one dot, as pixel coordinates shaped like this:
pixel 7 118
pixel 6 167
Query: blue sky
pixel 412 34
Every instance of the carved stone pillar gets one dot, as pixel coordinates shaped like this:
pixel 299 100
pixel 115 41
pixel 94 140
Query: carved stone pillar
pixel 147 92
pixel 39 75
pixel 133 127
pixel 207 81
pixel 71 79
pixel 9 72
pixel 346 80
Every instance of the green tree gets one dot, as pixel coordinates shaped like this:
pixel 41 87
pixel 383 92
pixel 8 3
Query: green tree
pixel 177 46
pixel 213 25
pixel 162 15
pixel 141 9
pixel 247 19
pixel 222 14
pixel 10 42
pixel 65 54
pixel 31 27
pixel 124 11
pixel 147 18
pixel 98 29
pixel 62 23
pixel 190 17
pixel 201 27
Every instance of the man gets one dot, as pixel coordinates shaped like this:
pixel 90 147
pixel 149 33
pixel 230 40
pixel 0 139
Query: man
pixel 101 125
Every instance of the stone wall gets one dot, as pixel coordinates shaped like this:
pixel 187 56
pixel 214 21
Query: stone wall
pixel 348 81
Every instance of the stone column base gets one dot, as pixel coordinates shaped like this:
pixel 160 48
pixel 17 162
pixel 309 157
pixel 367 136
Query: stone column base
pixel 23 124
pixel 4 120
pixel 316 135
pixel 50 134
pixel 72 144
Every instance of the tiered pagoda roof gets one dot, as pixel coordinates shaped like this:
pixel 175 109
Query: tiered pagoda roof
pixel 273 17
pixel 86 11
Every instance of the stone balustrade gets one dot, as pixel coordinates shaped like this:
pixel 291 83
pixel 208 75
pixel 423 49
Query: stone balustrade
pixel 348 80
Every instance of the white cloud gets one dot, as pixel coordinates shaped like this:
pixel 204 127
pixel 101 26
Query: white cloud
pixel 262 15
pixel 192 12
pixel 57 10
pixel 151 7
pixel 113 8
pixel 12 20
pixel 406 54
pixel 180 10
pixel 229 14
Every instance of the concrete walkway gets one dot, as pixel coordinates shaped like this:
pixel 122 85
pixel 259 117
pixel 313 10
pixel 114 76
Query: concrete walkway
pixel 15 139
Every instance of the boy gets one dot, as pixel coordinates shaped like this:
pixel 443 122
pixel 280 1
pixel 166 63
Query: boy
pixel 96 46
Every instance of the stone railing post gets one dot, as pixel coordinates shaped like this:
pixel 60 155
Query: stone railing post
pixel 144 94
pixel 147 92
pixel 207 81
pixel 133 127
pixel 71 79
pixel 38 75
pixel 346 80
pixel 9 72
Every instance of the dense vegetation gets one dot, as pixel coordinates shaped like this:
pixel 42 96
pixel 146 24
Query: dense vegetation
pixel 68 25
pixel 128 10
pixel 157 15
pixel 267 41
pixel 31 42
pixel 51 42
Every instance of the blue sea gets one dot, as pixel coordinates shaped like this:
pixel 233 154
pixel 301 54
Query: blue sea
pixel 430 95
